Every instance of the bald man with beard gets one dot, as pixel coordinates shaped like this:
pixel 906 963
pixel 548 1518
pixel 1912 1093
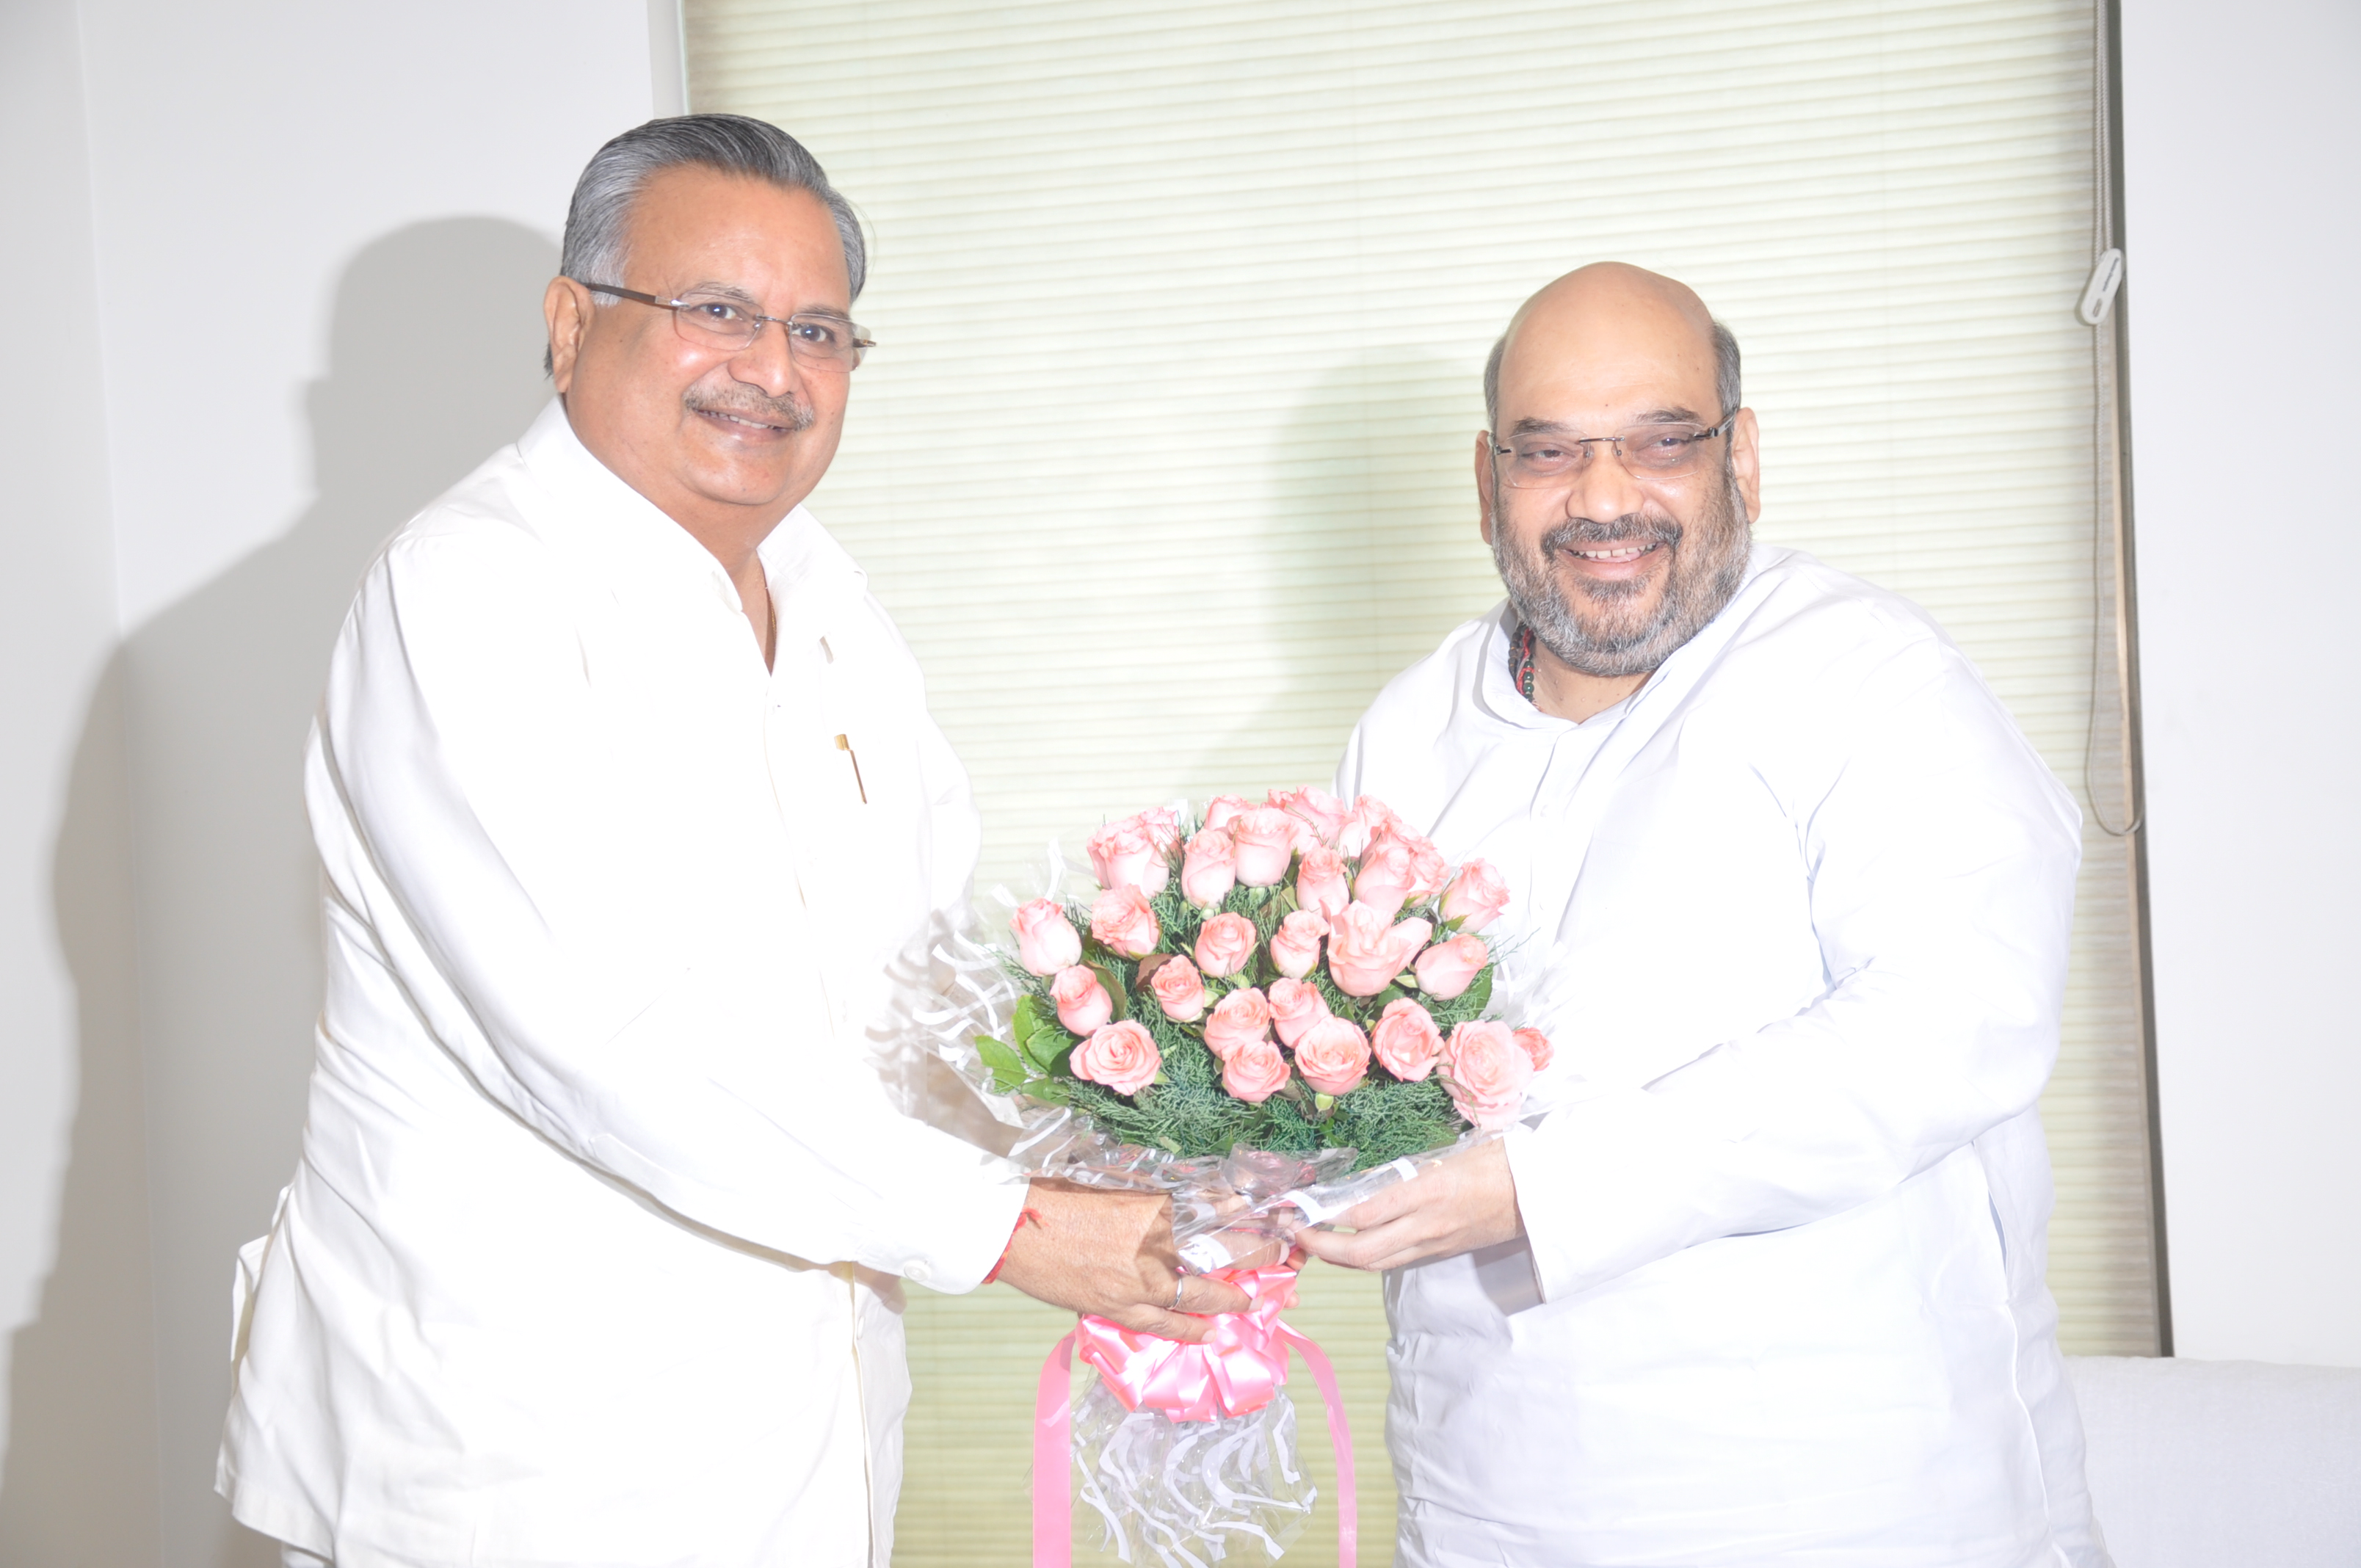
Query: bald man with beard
pixel 1758 1278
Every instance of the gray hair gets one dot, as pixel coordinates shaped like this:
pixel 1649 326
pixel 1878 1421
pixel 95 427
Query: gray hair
pixel 1725 379
pixel 599 220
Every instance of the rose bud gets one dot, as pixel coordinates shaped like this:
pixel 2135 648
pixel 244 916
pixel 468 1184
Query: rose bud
pixel 1478 895
pixel 1124 855
pixel 1369 820
pixel 1226 944
pixel 1238 1019
pixel 1209 868
pixel 1295 1006
pixel 1334 1056
pixel 1486 1072
pixel 1320 883
pixel 1447 969
pixel 1314 807
pixel 1384 880
pixel 1046 940
pixel 1365 953
pixel 1082 1002
pixel 1536 1045
pixel 1122 922
pixel 1224 809
pixel 1179 990
pixel 1265 837
pixel 1122 1056
pixel 1254 1071
pixel 1428 869
pixel 1295 946
pixel 1162 826
pixel 1406 1040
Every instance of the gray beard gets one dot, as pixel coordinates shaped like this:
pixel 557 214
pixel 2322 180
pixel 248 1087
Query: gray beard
pixel 1603 635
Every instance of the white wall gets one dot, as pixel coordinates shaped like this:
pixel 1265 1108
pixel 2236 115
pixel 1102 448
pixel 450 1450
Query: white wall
pixel 321 233
pixel 2243 158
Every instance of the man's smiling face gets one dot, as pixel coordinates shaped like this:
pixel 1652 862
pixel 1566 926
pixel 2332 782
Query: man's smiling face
pixel 713 437
pixel 1611 572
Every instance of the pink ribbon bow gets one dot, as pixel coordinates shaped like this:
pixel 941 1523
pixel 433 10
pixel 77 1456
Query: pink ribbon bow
pixel 1238 1369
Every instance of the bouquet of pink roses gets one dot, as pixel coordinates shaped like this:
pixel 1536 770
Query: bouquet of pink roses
pixel 1267 1014
pixel 1292 976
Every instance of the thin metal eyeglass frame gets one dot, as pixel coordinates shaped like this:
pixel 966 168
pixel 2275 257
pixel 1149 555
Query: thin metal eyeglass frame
pixel 1707 433
pixel 861 342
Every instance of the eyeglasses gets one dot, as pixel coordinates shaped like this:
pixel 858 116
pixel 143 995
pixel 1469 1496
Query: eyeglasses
pixel 1538 462
pixel 717 320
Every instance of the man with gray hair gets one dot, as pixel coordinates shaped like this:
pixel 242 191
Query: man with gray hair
pixel 636 831
pixel 1758 1279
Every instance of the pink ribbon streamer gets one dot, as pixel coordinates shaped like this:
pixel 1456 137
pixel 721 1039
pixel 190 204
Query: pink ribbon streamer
pixel 1238 1369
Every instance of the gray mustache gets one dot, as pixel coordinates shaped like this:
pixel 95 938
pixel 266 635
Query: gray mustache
pixel 769 411
pixel 1585 533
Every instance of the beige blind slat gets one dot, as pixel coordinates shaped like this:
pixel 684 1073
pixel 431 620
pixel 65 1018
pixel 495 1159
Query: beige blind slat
pixel 1163 466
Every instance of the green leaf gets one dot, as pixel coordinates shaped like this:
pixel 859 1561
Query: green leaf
pixel 1480 994
pixel 1114 988
pixel 1047 1046
pixel 1028 1019
pixel 1008 1072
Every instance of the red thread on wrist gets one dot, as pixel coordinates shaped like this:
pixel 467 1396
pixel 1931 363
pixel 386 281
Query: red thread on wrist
pixel 1023 1215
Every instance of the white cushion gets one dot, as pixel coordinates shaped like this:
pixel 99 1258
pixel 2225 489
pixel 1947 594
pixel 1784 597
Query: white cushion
pixel 2221 1464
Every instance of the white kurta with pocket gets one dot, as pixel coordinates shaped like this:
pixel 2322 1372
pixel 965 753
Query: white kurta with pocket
pixel 1796 915
pixel 588 1256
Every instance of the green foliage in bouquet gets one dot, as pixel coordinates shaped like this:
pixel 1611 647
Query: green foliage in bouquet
pixel 1186 1108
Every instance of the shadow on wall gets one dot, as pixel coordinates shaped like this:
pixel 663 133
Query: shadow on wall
pixel 185 825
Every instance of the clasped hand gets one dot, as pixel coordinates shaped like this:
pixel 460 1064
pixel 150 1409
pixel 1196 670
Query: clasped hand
pixel 1111 1254
pixel 1453 1206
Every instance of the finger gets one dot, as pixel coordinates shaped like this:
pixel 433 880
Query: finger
pixel 1203 1296
pixel 1346 1251
pixel 1167 1325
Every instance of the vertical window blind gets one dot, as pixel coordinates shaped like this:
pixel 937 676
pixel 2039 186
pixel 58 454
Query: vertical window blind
pixel 1163 463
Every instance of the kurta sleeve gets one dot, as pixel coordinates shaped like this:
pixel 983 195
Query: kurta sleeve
pixel 1941 858
pixel 626 968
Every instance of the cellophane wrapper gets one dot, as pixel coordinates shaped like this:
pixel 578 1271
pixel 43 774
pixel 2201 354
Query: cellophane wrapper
pixel 1185 1494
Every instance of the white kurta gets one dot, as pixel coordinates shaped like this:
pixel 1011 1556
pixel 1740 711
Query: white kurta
pixel 1796 915
pixel 587 1258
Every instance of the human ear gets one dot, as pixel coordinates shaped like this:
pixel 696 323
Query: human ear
pixel 1746 462
pixel 1484 483
pixel 565 307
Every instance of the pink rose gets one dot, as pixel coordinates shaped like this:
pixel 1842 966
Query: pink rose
pixel 1320 883
pixel 1428 869
pixel 1365 953
pixel 1447 969
pixel 1369 820
pixel 1046 940
pixel 1082 1002
pixel 1486 1072
pixel 1123 923
pixel 1265 837
pixel 1478 895
pixel 1385 878
pixel 1122 1056
pixel 1334 1056
pixel 1406 1040
pixel 1238 1019
pixel 1209 868
pixel 1295 1006
pixel 1295 946
pixel 1122 854
pixel 1224 809
pixel 1162 826
pixel 1179 990
pixel 1254 1072
pixel 1536 1045
pixel 1226 944
pixel 1314 807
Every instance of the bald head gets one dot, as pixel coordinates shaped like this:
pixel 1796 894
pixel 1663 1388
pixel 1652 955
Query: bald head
pixel 1611 318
